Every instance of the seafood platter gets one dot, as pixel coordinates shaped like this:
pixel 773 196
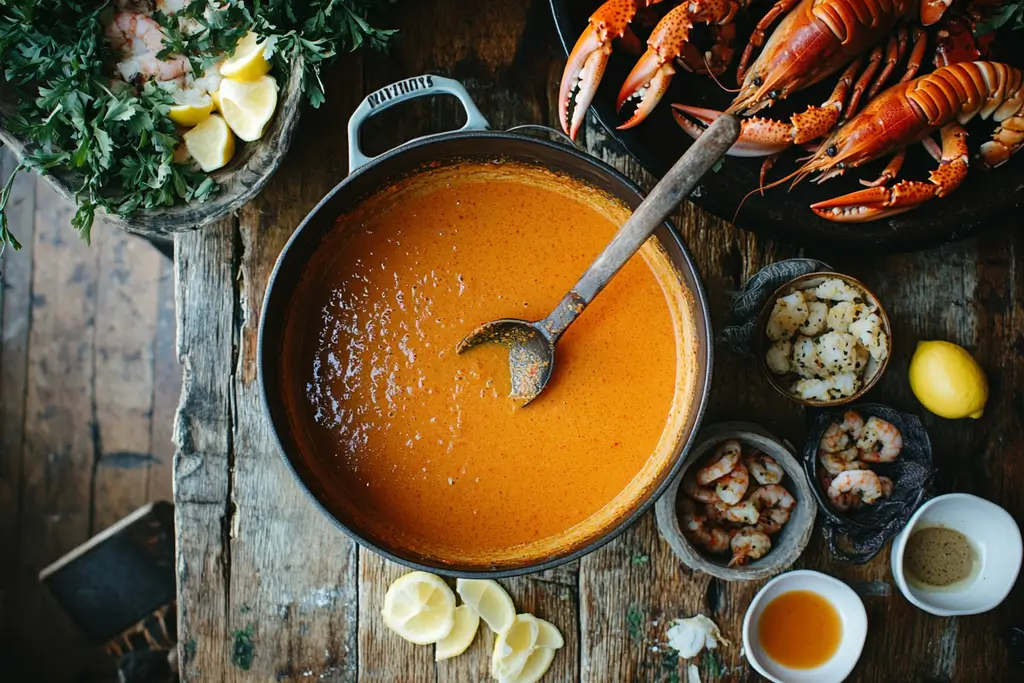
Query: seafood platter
pixel 835 97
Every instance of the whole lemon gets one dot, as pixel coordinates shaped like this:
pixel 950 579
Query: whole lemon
pixel 947 380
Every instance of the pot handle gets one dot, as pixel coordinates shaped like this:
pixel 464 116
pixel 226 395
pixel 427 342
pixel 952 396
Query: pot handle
pixel 403 91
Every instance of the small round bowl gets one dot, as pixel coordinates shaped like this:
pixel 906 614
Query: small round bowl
pixel 787 545
pixel 851 612
pixel 872 372
pixel 996 539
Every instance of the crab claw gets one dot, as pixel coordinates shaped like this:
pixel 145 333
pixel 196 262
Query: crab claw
pixel 874 203
pixel 758 137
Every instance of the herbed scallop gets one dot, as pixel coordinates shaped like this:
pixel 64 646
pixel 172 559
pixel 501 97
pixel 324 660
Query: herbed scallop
pixel 824 336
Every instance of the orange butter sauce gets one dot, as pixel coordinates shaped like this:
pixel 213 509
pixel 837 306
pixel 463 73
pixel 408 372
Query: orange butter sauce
pixel 421 447
pixel 800 629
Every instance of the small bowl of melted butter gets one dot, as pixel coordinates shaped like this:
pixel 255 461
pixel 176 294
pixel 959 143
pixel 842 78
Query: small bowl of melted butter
pixel 959 554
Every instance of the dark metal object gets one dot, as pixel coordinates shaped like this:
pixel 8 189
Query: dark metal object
pixel 118 585
pixel 531 345
pixel 983 199
pixel 858 535
pixel 384 171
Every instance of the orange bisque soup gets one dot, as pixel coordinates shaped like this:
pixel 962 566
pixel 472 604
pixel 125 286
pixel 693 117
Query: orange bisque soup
pixel 420 448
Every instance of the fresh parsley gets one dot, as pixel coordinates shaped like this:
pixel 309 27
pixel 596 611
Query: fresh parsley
pixel 113 143
pixel 1009 14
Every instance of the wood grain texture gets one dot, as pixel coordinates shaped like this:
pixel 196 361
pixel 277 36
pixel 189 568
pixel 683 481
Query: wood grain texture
pixel 615 605
pixel 15 321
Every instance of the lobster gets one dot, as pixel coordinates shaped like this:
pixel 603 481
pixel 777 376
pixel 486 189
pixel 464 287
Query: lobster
pixel 816 39
pixel 911 112
pixel 668 44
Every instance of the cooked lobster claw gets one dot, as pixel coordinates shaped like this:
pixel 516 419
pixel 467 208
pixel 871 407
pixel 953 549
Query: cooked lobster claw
pixel 758 137
pixel 589 58
pixel 669 42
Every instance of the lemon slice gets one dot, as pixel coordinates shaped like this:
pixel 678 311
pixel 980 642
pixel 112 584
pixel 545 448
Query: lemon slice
pixel 461 637
pixel 518 654
pixel 248 106
pixel 248 63
pixel 488 599
pixel 548 635
pixel 419 607
pixel 192 113
pixel 210 143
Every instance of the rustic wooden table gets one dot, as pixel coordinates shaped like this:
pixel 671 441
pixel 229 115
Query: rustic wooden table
pixel 270 590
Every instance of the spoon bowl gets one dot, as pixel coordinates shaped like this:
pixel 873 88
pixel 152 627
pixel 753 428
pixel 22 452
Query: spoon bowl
pixel 531 345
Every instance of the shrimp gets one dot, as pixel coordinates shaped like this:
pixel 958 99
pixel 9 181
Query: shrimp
pixel 834 463
pixel 878 432
pixel 723 462
pixel 714 539
pixel 835 289
pixel 773 496
pixel 852 424
pixel 697 492
pixel 140 39
pixel 817 312
pixel 741 513
pixel 763 468
pixel 749 543
pixel 774 504
pixel 862 483
pixel 778 357
pixel 732 487
pixel 887 486
pixel 868 331
pixel 843 384
pixel 834 439
pixel 788 314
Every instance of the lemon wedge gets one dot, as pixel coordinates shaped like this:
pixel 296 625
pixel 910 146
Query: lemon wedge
pixel 548 635
pixel 215 98
pixel 210 143
pixel 248 106
pixel 462 634
pixel 519 656
pixel 248 63
pixel 192 113
pixel 487 598
pixel 947 380
pixel 419 607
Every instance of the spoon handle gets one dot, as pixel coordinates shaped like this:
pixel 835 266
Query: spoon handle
pixel 652 212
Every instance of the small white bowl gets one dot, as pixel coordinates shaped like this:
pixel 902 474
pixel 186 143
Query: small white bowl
pixel 996 539
pixel 851 613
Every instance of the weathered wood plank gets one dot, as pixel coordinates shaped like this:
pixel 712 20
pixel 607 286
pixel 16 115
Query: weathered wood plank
pixel 127 290
pixel 166 391
pixel 383 655
pixel 205 301
pixel 59 448
pixel 15 320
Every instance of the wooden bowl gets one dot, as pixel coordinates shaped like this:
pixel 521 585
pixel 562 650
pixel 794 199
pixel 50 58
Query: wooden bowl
pixel 787 545
pixel 241 180
pixel 872 372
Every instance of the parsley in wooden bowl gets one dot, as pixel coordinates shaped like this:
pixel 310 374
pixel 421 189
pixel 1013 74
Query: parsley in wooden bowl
pixel 87 87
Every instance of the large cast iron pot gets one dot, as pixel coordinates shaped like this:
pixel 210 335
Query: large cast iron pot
pixel 366 177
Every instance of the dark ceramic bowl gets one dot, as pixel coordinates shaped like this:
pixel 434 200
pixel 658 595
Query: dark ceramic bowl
pixel 870 528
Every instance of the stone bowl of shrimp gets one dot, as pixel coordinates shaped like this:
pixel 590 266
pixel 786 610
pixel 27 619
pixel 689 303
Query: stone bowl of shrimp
pixel 870 468
pixel 823 339
pixel 741 508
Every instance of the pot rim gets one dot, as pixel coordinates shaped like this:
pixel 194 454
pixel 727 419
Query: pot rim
pixel 701 391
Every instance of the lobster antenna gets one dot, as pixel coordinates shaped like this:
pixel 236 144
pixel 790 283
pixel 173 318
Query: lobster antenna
pixel 762 188
pixel 707 65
